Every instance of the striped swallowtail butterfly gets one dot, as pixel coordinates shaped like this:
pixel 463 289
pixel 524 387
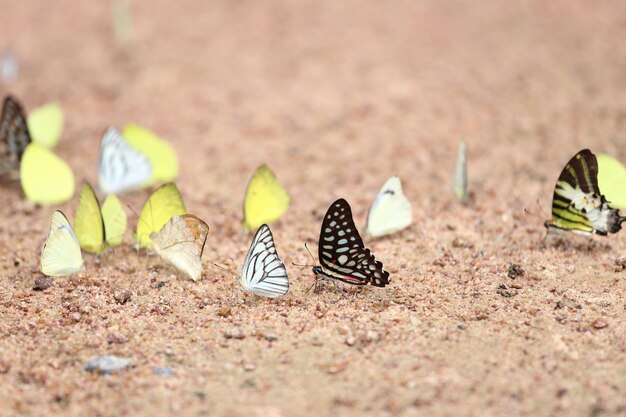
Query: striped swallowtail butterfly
pixel 341 252
pixel 577 204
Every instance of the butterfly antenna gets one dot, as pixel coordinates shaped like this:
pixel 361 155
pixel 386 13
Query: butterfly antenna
pixel 305 265
pixel 306 246
pixel 234 264
pixel 225 269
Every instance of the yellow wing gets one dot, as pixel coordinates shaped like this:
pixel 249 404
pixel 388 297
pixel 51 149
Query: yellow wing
pixel 165 203
pixel 115 220
pixel 45 178
pixel 45 124
pixel 161 154
pixel 61 253
pixel 612 180
pixel 88 223
pixel 181 242
pixel 266 199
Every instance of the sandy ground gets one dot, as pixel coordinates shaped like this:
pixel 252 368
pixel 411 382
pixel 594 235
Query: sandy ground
pixel 335 96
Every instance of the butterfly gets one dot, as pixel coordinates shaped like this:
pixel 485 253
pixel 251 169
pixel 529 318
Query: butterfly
pixel 98 228
pixel 163 204
pixel 577 204
pixel 266 199
pixel 45 124
pixel 159 152
pixel 122 167
pixel 263 272
pixel 390 211
pixel 341 252
pixel 14 137
pixel 61 253
pixel 45 178
pixel 181 243
pixel 612 180
pixel 460 175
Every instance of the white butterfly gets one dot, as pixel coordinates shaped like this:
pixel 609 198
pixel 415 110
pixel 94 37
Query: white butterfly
pixel 61 253
pixel 263 272
pixel 181 242
pixel 390 212
pixel 122 167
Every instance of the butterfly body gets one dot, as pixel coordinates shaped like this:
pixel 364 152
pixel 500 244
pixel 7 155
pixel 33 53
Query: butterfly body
pixel 121 167
pixel 263 272
pixel 61 253
pixel 181 243
pixel 390 212
pixel 341 251
pixel 577 204
pixel 266 199
pixel 163 204
pixel 14 137
pixel 98 227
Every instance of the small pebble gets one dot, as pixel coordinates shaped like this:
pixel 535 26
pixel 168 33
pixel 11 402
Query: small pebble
pixel 42 283
pixel 122 296
pixel 163 372
pixel 600 323
pixel 224 311
pixel 350 340
pixel 234 333
pixel 249 367
pixel 504 291
pixel 372 336
pixel 270 336
pixel 514 271
pixel 106 365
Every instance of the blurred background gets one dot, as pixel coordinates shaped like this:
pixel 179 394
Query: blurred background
pixel 337 89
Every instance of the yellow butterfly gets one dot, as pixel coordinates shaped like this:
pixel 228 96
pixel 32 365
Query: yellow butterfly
pixel 164 203
pixel 612 180
pixel 161 154
pixel 97 228
pixel 181 242
pixel 45 178
pixel 45 124
pixel 60 254
pixel 266 199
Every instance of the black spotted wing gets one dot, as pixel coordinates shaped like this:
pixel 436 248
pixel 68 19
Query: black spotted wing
pixel 14 136
pixel 341 252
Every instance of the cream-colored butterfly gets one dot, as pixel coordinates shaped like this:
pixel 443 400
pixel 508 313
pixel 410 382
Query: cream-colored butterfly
pixel 390 212
pixel 61 253
pixel 181 242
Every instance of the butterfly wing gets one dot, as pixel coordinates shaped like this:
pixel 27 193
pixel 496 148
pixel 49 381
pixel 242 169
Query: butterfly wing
pixel 342 253
pixel 161 154
pixel 61 253
pixel 263 272
pixel 162 205
pixel 612 180
pixel 14 136
pixel 577 204
pixel 266 199
pixel 45 178
pixel 114 219
pixel 122 167
pixel 460 175
pixel 390 212
pixel 45 124
pixel 88 223
pixel 181 243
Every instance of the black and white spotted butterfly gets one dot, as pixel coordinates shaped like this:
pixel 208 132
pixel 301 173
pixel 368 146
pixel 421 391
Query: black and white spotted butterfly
pixel 122 167
pixel 263 272
pixel 14 137
pixel 342 254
